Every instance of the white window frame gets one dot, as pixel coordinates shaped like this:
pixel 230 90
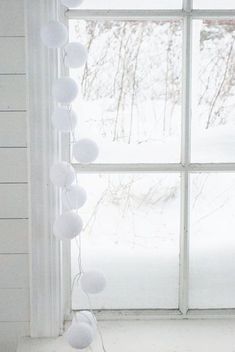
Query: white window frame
pixel 185 167
pixel 50 269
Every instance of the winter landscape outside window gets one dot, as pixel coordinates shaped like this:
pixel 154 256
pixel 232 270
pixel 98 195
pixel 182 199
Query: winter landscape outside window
pixel 158 96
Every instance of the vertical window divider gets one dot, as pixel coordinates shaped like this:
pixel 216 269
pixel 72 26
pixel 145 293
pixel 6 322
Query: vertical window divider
pixel 185 157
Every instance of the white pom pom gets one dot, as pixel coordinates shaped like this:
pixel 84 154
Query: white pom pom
pixel 65 90
pixel 71 3
pixel 54 34
pixel 93 282
pixel 67 225
pixel 74 197
pixel 86 317
pixel 76 55
pixel 62 174
pixel 64 120
pixel 85 151
pixel 79 335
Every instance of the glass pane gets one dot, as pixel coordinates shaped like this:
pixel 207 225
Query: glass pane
pixel 213 124
pixel 132 235
pixel 132 4
pixel 214 4
pixel 212 241
pixel 130 99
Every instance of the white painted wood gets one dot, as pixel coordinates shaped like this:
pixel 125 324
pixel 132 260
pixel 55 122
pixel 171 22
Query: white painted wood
pixel 14 305
pixel 11 18
pixel 119 168
pixel 14 165
pixel 13 236
pixel 13 129
pixel 13 92
pixel 160 314
pixel 12 58
pixel 14 201
pixel 15 273
pixel 142 168
pixel 123 14
pixel 10 334
pixel 185 159
pixel 146 14
pixel 151 336
pixel 14 278
pixel 45 268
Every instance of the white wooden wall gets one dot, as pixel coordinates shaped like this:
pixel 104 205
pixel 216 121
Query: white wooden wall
pixel 14 280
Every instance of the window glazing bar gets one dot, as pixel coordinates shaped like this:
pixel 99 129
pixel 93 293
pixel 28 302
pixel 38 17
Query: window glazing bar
pixel 128 168
pixel 123 14
pixel 161 314
pixel 165 168
pixel 185 159
pixel 146 14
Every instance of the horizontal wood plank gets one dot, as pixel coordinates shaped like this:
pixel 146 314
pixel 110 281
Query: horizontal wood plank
pixel 15 272
pixel 13 236
pixel 14 165
pixel 14 305
pixel 13 92
pixel 13 201
pixel 13 130
pixel 12 18
pixel 12 58
pixel 10 334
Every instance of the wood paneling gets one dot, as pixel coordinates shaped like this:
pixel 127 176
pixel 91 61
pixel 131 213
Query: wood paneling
pixel 13 92
pixel 15 165
pixel 12 58
pixel 13 129
pixel 14 305
pixel 15 273
pixel 13 236
pixel 12 18
pixel 14 201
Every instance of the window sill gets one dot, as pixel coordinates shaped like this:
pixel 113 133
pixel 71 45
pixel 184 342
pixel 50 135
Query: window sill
pixel 159 335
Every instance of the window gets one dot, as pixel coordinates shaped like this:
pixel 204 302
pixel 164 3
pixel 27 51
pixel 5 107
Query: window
pixel 157 94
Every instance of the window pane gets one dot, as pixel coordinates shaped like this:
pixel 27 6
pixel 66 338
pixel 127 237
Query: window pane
pixel 212 241
pixel 132 235
pixel 214 4
pixel 132 4
pixel 213 125
pixel 130 99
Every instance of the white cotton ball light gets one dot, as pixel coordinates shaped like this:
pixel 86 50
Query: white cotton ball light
pixel 64 120
pixel 54 34
pixel 65 90
pixel 86 317
pixel 71 3
pixel 85 151
pixel 74 197
pixel 62 174
pixel 93 282
pixel 76 55
pixel 79 335
pixel 67 226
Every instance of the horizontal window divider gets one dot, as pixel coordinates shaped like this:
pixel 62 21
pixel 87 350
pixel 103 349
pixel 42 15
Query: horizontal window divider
pixel 119 168
pixel 155 314
pixel 137 314
pixel 165 168
pixel 211 167
pixel 146 15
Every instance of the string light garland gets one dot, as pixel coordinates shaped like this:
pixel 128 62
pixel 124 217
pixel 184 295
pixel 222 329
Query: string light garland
pixel 76 55
pixel 69 224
